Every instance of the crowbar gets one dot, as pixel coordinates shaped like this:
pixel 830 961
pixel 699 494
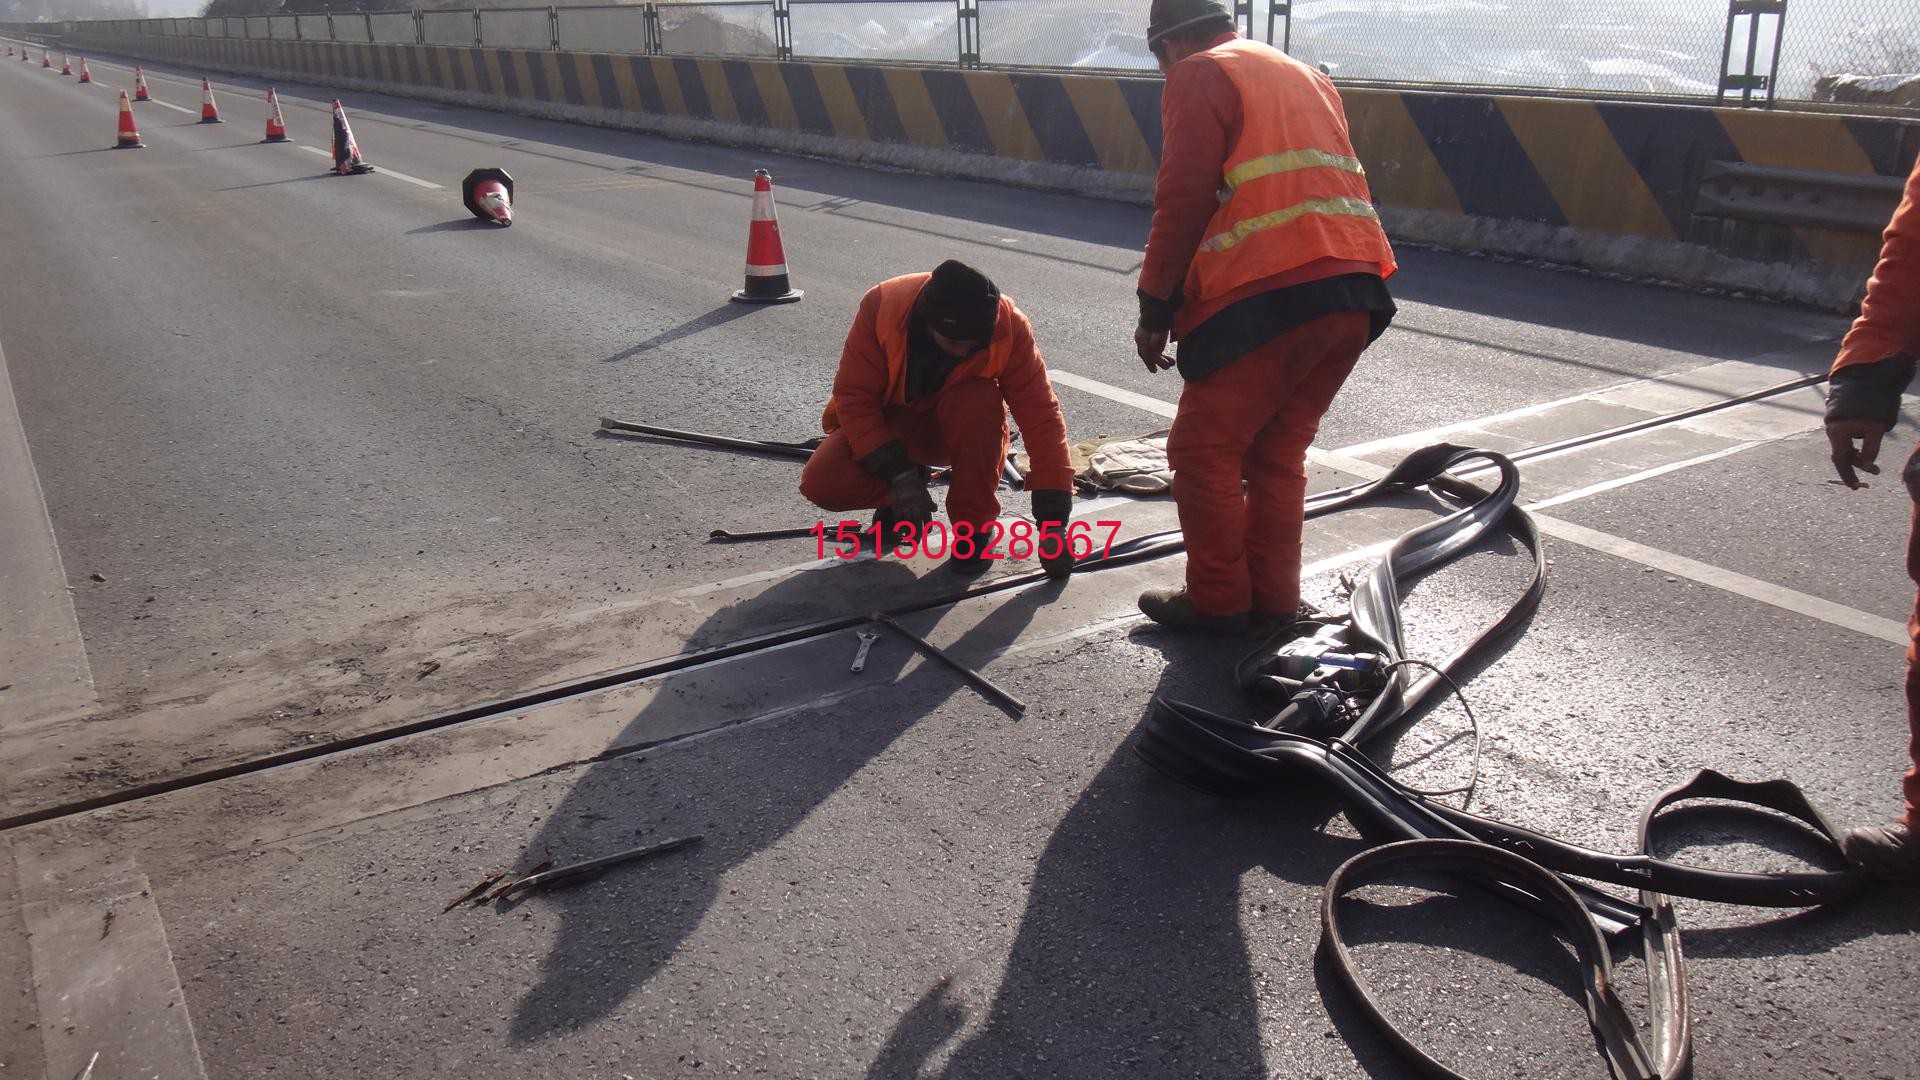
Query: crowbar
pixel 975 679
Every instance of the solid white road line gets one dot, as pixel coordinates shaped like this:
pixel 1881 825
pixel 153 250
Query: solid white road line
pixel 1112 393
pixel 169 105
pixel 380 170
pixel 42 653
pixel 1619 547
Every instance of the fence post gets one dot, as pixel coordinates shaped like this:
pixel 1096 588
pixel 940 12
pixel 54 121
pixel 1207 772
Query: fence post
pixel 967 23
pixel 650 17
pixel 782 30
pixel 1284 10
pixel 1750 80
pixel 553 27
pixel 477 37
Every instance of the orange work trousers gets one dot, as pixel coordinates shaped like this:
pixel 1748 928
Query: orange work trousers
pixel 964 427
pixel 1253 420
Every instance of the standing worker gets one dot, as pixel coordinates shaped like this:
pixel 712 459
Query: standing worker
pixel 930 368
pixel 1267 263
pixel 1875 364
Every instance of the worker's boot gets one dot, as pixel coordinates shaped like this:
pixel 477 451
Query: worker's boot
pixel 1173 609
pixel 1265 624
pixel 1888 851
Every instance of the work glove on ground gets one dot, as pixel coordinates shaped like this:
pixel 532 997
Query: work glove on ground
pixel 912 502
pixel 1051 509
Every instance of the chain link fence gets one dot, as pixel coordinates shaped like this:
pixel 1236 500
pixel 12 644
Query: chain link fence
pixel 1741 51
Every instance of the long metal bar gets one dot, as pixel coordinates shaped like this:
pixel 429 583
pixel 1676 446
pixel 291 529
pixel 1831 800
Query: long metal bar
pixel 974 679
pixel 794 450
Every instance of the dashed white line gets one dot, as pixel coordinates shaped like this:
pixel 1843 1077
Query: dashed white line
pixel 1113 393
pixel 167 105
pixel 380 170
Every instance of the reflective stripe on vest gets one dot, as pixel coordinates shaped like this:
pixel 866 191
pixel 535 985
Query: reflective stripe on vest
pixel 1291 161
pixel 1293 191
pixel 1273 219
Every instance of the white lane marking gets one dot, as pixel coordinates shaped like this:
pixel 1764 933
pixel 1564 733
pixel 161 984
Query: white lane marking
pixel 379 170
pixel 1889 630
pixel 1112 393
pixel 168 105
pixel 42 652
pixel 104 982
pixel 1634 478
pixel 1434 434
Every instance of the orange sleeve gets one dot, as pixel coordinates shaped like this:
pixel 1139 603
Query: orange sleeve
pixel 860 385
pixel 1889 322
pixel 1029 394
pixel 1199 121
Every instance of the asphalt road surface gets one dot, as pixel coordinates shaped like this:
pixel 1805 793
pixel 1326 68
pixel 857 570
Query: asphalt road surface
pixel 286 457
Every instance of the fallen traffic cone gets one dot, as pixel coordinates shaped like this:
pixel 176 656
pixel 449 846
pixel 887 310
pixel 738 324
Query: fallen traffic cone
pixel 129 134
pixel 276 127
pixel 209 112
pixel 140 86
pixel 85 75
pixel 346 153
pixel 66 64
pixel 489 194
pixel 766 258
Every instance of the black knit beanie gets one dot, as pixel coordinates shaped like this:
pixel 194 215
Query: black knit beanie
pixel 959 302
pixel 1166 16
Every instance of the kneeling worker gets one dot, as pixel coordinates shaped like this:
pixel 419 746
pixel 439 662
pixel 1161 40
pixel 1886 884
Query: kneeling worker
pixel 930 368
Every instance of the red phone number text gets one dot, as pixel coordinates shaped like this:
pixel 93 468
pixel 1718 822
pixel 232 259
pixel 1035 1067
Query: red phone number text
pixel 1021 540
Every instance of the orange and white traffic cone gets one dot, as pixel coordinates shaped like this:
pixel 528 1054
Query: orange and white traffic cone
pixel 276 127
pixel 346 153
pixel 85 75
pixel 66 64
pixel 488 194
pixel 9 50
pixel 209 112
pixel 46 59
pixel 129 134
pixel 140 86
pixel 766 258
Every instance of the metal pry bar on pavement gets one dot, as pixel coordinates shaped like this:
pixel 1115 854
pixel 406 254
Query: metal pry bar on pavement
pixel 581 871
pixel 785 449
pixel 975 679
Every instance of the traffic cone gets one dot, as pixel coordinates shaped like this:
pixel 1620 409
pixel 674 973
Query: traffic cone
pixel 346 153
pixel 9 50
pixel 276 127
pixel 209 112
pixel 46 59
pixel 140 86
pixel 129 134
pixel 66 64
pixel 488 193
pixel 766 258
pixel 85 75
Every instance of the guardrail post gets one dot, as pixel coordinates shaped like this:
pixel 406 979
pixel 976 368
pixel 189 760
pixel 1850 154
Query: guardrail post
pixel 553 27
pixel 782 30
pixel 1750 81
pixel 1283 10
pixel 650 16
pixel 476 29
pixel 368 16
pixel 967 23
pixel 419 27
pixel 1243 18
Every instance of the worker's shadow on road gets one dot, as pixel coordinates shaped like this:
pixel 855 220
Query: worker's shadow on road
pixel 744 792
pixel 1134 956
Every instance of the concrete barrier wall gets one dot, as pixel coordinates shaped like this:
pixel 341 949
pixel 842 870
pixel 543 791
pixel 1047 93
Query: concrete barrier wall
pixel 1600 185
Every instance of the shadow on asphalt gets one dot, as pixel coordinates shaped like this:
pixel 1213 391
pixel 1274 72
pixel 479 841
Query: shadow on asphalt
pixel 761 799
pixel 719 316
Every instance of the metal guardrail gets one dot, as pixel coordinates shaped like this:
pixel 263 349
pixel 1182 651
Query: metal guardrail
pixel 1806 198
pixel 1659 49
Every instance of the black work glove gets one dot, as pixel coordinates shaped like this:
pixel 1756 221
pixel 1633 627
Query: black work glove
pixel 1051 509
pixel 912 502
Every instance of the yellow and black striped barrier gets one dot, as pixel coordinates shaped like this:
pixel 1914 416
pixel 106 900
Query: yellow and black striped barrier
pixel 1610 185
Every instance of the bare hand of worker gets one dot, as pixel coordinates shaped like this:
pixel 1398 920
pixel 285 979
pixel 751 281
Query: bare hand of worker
pixel 1152 347
pixel 912 502
pixel 1841 436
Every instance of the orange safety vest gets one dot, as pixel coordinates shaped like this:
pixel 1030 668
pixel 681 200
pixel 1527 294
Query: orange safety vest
pixel 891 325
pixel 1293 190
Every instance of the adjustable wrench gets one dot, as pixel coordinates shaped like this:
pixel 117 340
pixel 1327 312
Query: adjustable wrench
pixel 867 638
